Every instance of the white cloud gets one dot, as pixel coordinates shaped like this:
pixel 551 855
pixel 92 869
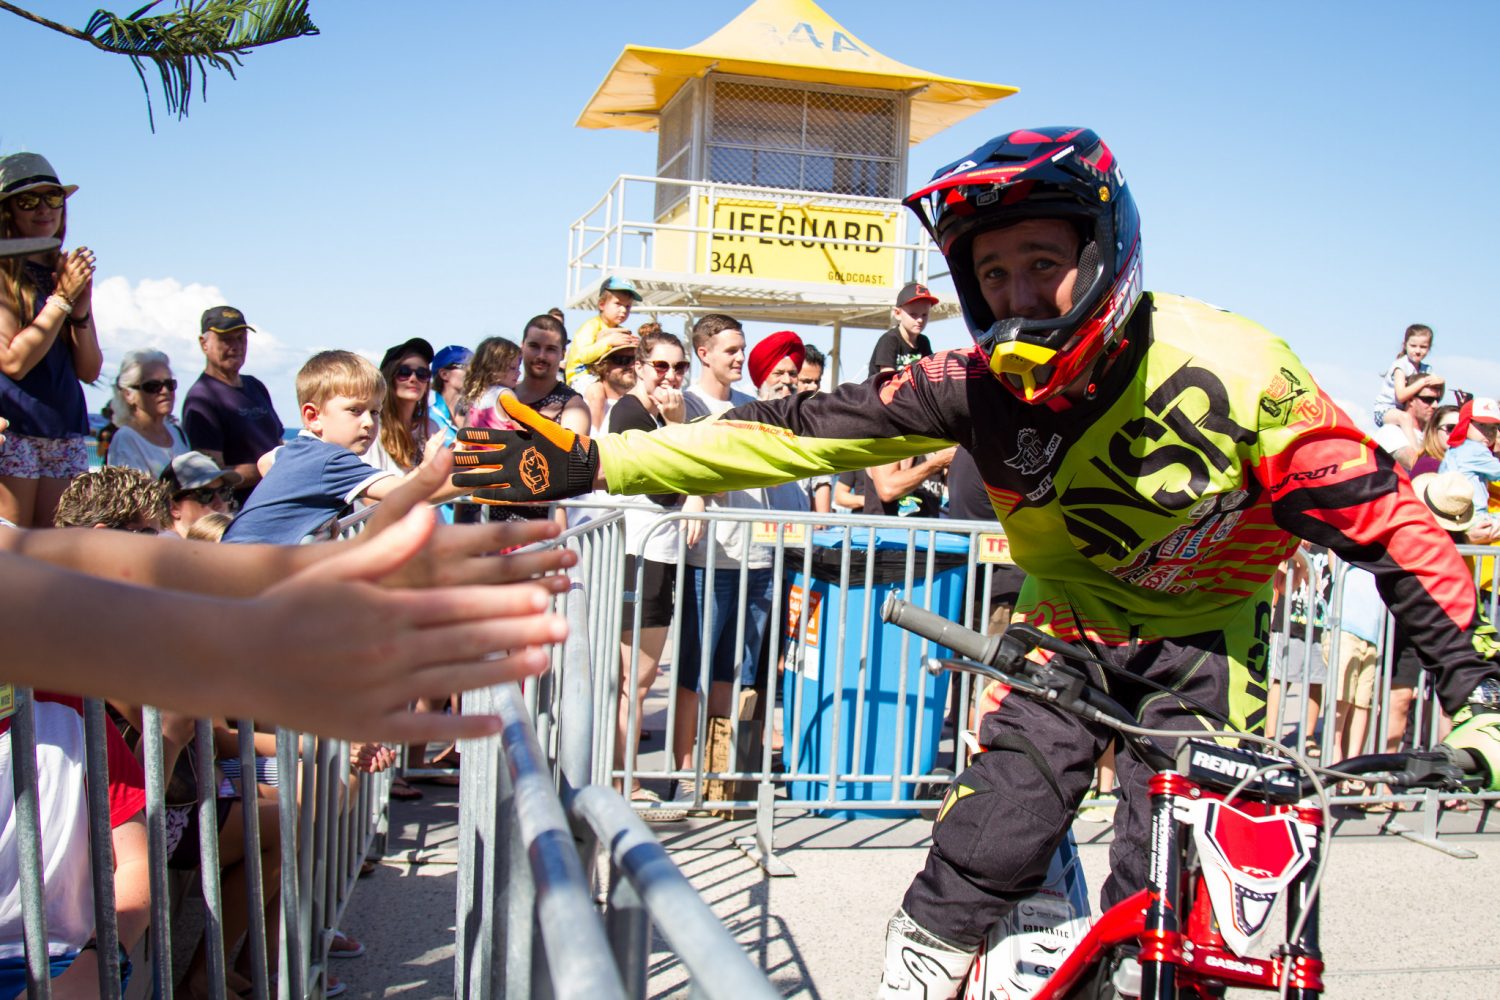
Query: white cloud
pixel 165 314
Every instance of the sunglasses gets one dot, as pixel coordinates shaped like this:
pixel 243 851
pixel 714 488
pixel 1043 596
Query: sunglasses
pixel 620 360
pixel 1447 428
pixel 28 200
pixel 156 385
pixel 207 494
pixel 407 371
pixel 662 367
pixel 1431 400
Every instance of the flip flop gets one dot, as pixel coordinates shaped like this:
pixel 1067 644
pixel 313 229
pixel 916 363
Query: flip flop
pixel 351 948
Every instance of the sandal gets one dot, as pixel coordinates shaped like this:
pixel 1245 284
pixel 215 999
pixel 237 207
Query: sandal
pixel 656 810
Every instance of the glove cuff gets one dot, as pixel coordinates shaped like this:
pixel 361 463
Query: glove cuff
pixel 583 470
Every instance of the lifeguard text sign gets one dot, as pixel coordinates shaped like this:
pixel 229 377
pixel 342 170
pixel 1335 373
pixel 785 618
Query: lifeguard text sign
pixel 786 241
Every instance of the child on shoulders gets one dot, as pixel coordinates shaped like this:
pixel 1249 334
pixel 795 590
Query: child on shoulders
pixel 1406 377
pixel 600 336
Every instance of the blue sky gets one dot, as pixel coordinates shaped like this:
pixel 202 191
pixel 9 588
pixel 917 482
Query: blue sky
pixel 1325 169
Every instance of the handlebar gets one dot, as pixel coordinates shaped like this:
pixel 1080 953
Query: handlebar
pixel 1003 658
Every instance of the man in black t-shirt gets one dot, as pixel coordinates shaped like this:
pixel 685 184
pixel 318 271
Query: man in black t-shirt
pixel 905 342
pixel 228 415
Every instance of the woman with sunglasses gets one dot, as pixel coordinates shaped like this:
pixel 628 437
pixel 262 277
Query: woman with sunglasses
pixel 146 436
pixel 661 368
pixel 406 428
pixel 47 345
pixel 1435 439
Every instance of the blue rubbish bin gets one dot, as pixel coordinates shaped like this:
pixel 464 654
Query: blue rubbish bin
pixel 887 731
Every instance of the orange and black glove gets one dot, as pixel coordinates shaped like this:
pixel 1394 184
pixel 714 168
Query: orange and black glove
pixel 538 462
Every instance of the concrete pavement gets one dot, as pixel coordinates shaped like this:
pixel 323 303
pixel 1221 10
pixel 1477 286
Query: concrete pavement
pixel 1399 919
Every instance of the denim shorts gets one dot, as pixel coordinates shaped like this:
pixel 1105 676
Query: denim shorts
pixel 26 457
pixel 724 658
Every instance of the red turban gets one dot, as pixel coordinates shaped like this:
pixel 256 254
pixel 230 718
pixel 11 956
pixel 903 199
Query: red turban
pixel 767 354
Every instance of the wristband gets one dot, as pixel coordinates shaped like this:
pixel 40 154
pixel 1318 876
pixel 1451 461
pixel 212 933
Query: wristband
pixel 61 301
pixel 86 318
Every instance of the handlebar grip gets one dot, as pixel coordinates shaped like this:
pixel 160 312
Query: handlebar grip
pixel 965 642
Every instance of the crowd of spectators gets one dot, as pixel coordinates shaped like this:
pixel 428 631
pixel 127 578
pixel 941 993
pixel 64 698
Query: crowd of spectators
pixel 216 468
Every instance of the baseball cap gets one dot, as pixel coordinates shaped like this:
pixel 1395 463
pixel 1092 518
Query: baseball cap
pixel 222 319
pixel 415 345
pixel 621 286
pixel 453 354
pixel 1486 410
pixel 193 469
pixel 915 291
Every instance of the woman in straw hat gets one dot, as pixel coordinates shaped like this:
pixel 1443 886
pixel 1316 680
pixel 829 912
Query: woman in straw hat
pixel 47 345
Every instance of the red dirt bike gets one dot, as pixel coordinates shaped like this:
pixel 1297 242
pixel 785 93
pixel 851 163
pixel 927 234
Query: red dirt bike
pixel 1234 833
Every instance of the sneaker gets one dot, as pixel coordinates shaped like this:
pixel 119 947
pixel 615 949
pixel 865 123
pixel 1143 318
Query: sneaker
pixel 334 987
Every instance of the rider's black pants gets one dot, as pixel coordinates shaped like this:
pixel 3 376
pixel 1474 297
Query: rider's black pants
pixel 1006 814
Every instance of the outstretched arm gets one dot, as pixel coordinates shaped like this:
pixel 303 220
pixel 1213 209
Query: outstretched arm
pixel 890 417
pixel 327 651
pixel 457 554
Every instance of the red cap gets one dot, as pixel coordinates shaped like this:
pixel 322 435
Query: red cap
pixel 914 291
pixel 768 354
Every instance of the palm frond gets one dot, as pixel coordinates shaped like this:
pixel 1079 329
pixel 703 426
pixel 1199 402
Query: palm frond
pixel 195 37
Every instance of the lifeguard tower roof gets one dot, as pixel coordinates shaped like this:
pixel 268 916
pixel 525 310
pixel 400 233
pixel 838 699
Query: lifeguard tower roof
pixel 782 148
pixel 792 40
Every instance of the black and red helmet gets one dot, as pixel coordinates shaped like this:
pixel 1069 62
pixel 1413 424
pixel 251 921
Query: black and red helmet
pixel 1044 173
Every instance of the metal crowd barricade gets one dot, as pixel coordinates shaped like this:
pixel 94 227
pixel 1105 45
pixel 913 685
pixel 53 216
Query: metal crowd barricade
pixel 325 836
pixel 535 832
pixel 787 537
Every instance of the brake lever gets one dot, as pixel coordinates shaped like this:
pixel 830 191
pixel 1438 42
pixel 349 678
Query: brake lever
pixel 936 665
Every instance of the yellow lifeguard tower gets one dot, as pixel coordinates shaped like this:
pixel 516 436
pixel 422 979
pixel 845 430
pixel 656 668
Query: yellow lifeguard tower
pixel 780 166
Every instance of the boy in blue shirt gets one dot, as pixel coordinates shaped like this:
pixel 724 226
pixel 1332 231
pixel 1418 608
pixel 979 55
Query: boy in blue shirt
pixel 319 474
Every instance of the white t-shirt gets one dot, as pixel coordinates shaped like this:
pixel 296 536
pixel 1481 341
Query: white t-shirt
pixel 132 450
pixel 1391 438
